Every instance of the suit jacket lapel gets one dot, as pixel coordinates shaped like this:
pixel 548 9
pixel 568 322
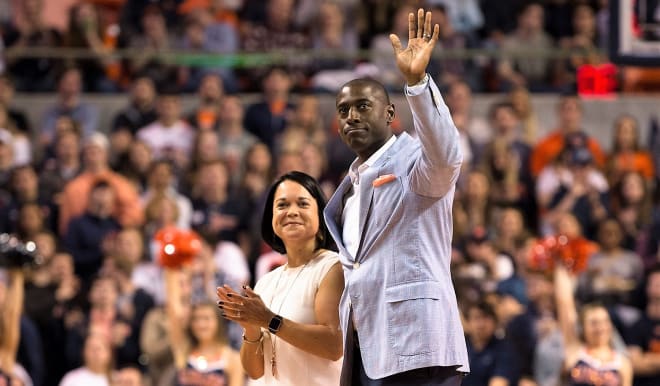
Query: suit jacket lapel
pixel 333 212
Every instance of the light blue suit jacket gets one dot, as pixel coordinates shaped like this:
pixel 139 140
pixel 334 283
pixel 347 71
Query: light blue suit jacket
pixel 399 284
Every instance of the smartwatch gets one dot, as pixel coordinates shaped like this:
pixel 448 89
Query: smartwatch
pixel 275 324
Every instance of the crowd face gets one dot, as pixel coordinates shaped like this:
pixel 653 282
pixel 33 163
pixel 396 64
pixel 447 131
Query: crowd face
pixel 204 323
pixel 531 19
pixel 653 296
pixel 481 326
pixel 364 115
pixel 570 114
pixel 102 202
pixel 129 245
pixel 144 91
pixel 625 134
pixel 231 110
pixel 295 213
pixel 596 326
pixel 97 353
pixel 633 188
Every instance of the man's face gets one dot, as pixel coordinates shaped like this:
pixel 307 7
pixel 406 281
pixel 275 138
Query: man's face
pixel 364 118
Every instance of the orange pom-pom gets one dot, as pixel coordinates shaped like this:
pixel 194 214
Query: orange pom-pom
pixel 573 253
pixel 176 246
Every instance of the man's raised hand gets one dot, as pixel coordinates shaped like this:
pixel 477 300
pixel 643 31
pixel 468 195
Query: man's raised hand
pixel 413 59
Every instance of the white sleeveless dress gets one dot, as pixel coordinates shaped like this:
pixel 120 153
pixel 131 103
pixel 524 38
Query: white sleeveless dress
pixel 290 292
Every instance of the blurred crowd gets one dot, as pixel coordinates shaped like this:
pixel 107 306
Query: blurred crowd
pixel 93 202
pixel 323 43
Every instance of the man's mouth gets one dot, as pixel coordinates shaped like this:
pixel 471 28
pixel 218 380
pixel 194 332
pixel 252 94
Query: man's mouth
pixel 351 129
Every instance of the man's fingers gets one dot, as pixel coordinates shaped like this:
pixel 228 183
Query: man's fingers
pixel 436 34
pixel 412 30
pixel 396 43
pixel 420 23
pixel 427 24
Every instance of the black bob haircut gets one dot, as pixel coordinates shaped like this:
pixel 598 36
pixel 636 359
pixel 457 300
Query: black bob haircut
pixel 323 238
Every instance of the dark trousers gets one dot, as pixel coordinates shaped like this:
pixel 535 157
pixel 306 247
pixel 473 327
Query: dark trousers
pixel 426 376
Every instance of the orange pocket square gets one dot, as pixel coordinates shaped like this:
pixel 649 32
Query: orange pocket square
pixel 384 179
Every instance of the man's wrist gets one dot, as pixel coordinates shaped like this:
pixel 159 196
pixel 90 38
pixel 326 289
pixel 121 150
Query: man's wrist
pixel 416 81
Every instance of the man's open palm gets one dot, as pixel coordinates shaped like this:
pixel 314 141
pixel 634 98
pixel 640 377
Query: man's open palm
pixel 412 60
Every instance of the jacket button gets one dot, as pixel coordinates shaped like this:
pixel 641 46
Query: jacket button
pixel 356 265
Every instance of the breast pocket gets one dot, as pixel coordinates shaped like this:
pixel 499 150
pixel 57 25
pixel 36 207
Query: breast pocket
pixel 385 199
pixel 414 323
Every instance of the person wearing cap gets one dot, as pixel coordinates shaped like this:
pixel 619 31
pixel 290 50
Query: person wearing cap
pixel 74 197
pixel 570 121
pixel 573 184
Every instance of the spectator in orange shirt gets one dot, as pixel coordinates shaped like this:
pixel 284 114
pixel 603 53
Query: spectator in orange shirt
pixel 570 120
pixel 627 154
pixel 74 200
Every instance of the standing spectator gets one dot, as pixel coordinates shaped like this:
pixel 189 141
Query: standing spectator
pixel 268 119
pixel 530 72
pixel 74 198
pixel 205 116
pixel 169 137
pixel 569 111
pixel 69 102
pixel 32 74
pixel 96 366
pixel 86 235
pixel 589 357
pixel 139 113
pixel 11 300
pixel 643 337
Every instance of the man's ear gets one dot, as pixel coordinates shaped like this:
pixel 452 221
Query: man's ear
pixel 390 113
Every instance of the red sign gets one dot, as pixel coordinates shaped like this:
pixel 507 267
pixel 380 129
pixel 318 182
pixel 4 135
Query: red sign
pixel 597 81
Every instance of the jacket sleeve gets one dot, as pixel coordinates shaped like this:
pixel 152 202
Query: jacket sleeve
pixel 436 170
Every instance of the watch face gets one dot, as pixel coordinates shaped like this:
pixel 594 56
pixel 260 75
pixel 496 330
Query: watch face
pixel 275 324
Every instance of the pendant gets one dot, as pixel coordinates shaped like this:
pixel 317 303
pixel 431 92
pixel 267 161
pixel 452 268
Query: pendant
pixel 273 366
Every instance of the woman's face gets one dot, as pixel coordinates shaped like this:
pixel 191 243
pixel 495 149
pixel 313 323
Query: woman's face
pixel 259 158
pixel 626 133
pixel 511 223
pixel 204 323
pixel 97 353
pixel 633 188
pixel 295 213
pixel 596 326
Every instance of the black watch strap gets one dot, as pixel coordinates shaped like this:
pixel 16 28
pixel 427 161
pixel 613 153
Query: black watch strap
pixel 275 324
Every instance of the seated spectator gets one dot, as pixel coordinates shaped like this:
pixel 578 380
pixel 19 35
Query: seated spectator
pixel 87 236
pixel 473 130
pixel 64 166
pixel 205 33
pixel 32 74
pixel 233 140
pixel 572 184
pixel 169 137
pixel 473 207
pixel 74 198
pixel 155 38
pixel 527 71
pixel 87 30
pixel 522 102
pixel 583 45
pixel 489 356
pixel 69 102
pixel 205 116
pixel 127 376
pixel 570 119
pixel 632 206
pixel 217 214
pixel 162 181
pixel 510 233
pixel 96 366
pixel 136 168
pixel 613 272
pixel 627 153
pixel 24 190
pixel 268 118
pixel 643 337
pixel 17 116
pixel 140 112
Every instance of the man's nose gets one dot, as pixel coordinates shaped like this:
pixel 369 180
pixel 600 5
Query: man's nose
pixel 353 115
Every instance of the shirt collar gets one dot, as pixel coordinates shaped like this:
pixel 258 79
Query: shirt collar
pixel 356 168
